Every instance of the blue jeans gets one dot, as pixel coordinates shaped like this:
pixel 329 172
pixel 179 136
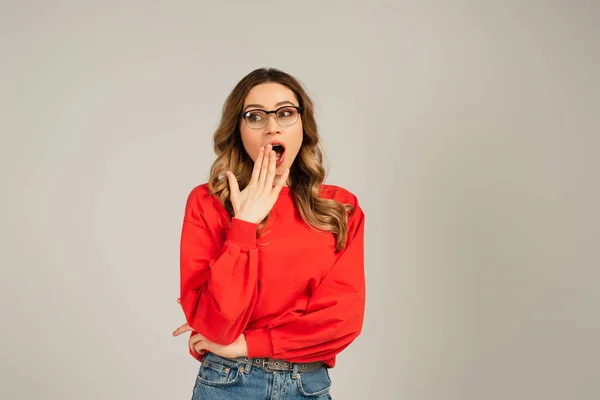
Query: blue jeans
pixel 225 379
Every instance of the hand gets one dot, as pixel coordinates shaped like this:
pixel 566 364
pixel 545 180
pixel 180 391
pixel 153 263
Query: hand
pixel 201 345
pixel 258 198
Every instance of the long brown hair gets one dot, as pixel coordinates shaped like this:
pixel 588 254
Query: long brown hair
pixel 306 173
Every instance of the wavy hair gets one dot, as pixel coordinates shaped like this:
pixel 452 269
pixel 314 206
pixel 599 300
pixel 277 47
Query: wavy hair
pixel 306 173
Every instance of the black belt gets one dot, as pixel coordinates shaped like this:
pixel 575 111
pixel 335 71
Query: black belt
pixel 280 365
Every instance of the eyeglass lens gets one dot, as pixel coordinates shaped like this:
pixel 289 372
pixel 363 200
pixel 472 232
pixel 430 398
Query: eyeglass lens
pixel 258 118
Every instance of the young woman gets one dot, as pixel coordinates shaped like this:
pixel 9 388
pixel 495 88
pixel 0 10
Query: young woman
pixel 272 260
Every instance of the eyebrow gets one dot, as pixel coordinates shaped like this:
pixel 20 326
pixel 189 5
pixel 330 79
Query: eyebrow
pixel 276 105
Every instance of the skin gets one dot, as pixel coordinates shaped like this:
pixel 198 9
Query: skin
pixel 270 96
pixel 251 204
pixel 201 345
pixel 256 200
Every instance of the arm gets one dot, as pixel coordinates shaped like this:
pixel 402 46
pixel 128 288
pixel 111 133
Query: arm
pixel 218 280
pixel 334 314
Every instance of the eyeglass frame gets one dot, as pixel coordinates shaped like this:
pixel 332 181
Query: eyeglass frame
pixel 298 108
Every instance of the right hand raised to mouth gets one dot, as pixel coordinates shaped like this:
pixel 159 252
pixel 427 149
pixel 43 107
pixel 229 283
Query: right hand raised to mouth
pixel 258 198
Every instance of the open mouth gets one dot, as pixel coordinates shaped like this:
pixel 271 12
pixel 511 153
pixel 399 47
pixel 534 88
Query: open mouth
pixel 279 152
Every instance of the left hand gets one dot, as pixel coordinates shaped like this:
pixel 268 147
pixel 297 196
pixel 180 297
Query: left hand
pixel 199 344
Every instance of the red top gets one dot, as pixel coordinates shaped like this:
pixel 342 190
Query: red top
pixel 288 291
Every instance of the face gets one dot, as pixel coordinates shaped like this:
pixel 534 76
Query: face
pixel 269 97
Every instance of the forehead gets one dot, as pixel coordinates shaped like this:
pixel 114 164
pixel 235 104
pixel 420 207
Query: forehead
pixel 269 94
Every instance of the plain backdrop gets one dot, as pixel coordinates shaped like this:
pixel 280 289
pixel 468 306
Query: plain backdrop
pixel 467 129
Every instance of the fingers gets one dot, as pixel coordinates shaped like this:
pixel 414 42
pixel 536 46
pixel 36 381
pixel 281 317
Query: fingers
pixel 200 347
pixel 257 166
pixel 271 170
pixel 178 300
pixel 194 340
pixel 192 345
pixel 265 166
pixel 233 184
pixel 198 344
pixel 183 328
pixel 281 182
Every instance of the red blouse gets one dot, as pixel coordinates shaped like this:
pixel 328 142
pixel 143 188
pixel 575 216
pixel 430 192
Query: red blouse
pixel 288 291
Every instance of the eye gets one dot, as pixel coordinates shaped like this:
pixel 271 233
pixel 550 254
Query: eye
pixel 254 116
pixel 286 112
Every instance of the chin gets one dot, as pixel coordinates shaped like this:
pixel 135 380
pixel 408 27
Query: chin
pixel 280 168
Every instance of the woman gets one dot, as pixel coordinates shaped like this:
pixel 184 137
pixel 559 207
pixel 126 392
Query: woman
pixel 272 271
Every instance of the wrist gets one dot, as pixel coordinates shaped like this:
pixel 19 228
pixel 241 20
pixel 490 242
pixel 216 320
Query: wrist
pixel 242 233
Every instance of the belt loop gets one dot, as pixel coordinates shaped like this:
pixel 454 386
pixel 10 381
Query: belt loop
pixel 294 370
pixel 248 365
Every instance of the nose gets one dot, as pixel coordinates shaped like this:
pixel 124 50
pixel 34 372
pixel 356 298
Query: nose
pixel 272 125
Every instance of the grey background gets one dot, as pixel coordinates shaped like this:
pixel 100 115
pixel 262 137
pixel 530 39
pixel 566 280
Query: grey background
pixel 468 130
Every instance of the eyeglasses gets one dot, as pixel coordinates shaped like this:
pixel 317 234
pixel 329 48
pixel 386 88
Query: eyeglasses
pixel 285 116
